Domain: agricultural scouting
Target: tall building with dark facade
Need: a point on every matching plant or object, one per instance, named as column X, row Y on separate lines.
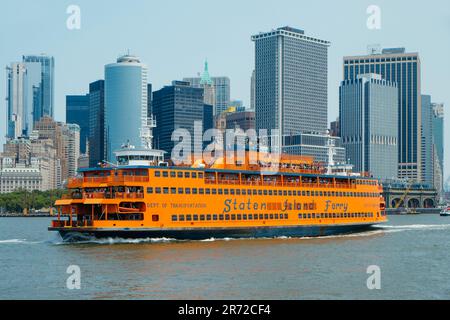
column 291, row 85
column 368, row 124
column 427, row 148
column 77, row 111
column 404, row 69
column 176, row 106
column 97, row 143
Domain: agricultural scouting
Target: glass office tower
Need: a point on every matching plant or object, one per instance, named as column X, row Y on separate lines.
column 126, row 104
column 77, row 111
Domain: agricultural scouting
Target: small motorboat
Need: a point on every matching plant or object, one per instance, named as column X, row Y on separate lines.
column 445, row 212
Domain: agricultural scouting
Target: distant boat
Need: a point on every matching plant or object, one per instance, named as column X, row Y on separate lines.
column 445, row 212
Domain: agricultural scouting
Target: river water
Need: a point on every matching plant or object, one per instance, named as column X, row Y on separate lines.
column 412, row 253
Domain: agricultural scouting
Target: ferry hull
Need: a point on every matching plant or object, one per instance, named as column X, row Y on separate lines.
column 76, row 234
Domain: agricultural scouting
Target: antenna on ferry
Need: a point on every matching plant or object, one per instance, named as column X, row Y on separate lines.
column 331, row 146
column 147, row 132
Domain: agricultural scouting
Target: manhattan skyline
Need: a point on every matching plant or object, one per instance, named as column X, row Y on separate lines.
column 152, row 31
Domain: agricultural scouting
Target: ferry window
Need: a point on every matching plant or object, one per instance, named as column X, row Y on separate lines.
column 195, row 217
column 321, row 194
column 188, row 191
column 165, row 174
column 220, row 191
column 194, row 191
column 220, row 216
column 180, row 190
column 313, row 216
column 239, row 217
column 233, row 217
column 231, row 191
column 194, row 175
column 225, row 191
column 173, row 174
column 200, row 175
column 188, row 217
column 261, row 217
column 215, row 217
column 271, row 216
column 265, row 192
column 290, row 193
column 303, row 193
column 180, row 174
column 270, row 192
column 284, row 193
column 238, row 192
column 244, row 217
column 213, row 191
column 201, row 191
column 155, row 218
column 173, row 190
column 250, row 217
column 286, row 216
column 244, row 192
column 208, row 191
column 255, row 217
column 249, row 192
column 166, row 190
column 157, row 173
column 187, row 174
column 266, row 216
column 181, row 217
column 174, row 218
column 158, row 190
column 202, row 217
column 208, row 217
column 149, row 190
column 255, row 192
column 260, row 192
column 227, row 217
column 308, row 193
column 309, row 215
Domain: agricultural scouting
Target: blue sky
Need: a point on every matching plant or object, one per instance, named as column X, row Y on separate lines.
column 174, row 37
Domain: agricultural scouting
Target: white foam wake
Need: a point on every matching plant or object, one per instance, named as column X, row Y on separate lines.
column 11, row 241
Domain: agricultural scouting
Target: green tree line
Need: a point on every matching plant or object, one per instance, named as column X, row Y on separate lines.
column 20, row 200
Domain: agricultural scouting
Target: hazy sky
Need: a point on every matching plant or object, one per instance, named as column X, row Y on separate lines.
column 174, row 37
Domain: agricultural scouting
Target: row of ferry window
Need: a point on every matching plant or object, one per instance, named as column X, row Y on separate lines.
column 186, row 174
column 259, row 192
column 229, row 217
column 179, row 174
column 266, row 216
column 335, row 215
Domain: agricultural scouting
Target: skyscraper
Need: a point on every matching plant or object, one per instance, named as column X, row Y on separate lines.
column 395, row 65
column 77, row 111
column 368, row 124
column 41, row 73
column 216, row 89
column 97, row 151
column 16, row 101
column 252, row 90
column 426, row 135
column 126, row 103
column 291, row 81
column 438, row 147
column 177, row 106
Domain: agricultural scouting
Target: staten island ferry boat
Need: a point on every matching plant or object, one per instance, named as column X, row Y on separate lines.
column 141, row 196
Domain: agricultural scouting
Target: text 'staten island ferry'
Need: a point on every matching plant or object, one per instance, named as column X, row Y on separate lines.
column 143, row 197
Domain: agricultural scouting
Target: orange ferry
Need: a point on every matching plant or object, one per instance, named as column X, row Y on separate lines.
column 143, row 197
